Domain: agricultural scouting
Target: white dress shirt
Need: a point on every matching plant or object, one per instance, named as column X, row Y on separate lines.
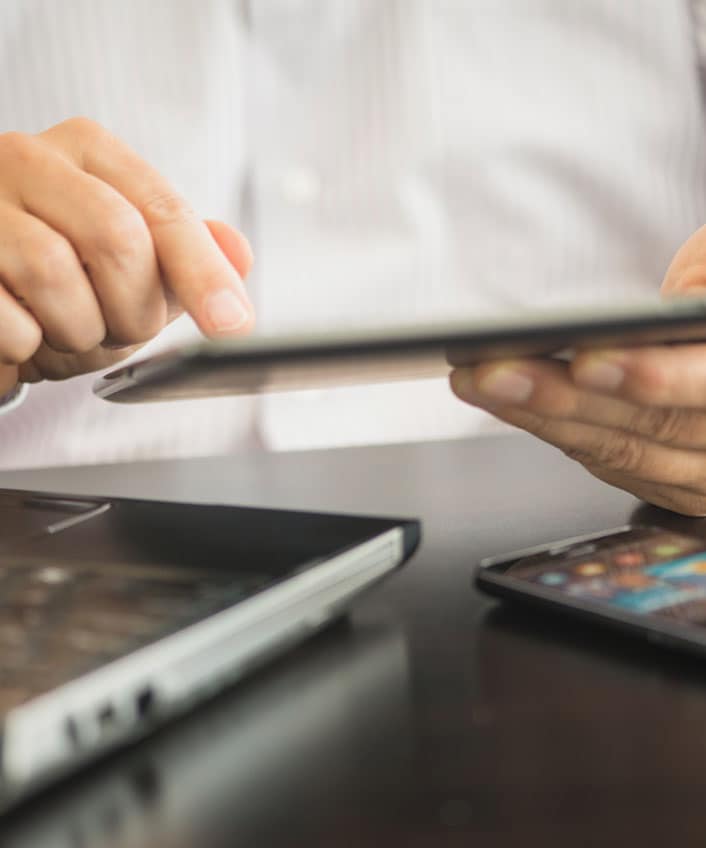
column 391, row 160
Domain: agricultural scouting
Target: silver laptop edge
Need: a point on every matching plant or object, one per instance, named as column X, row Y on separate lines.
column 123, row 699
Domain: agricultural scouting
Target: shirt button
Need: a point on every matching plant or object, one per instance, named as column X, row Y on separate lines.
column 301, row 186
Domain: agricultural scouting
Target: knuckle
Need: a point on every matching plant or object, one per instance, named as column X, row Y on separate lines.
column 23, row 344
column 84, row 338
column 166, row 208
column 46, row 259
column 140, row 325
column 584, row 457
column 144, row 331
column 122, row 237
column 84, row 127
column 619, row 452
column 540, row 427
column 18, row 146
column 662, row 424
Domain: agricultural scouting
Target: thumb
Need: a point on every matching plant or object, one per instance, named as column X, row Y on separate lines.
column 686, row 274
column 234, row 246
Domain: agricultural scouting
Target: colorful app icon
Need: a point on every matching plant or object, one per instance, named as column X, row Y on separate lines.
column 667, row 549
column 553, row 578
column 633, row 580
column 629, row 559
column 590, row 569
column 595, row 587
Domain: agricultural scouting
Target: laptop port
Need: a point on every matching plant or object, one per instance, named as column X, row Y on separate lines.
column 106, row 719
column 145, row 703
column 72, row 733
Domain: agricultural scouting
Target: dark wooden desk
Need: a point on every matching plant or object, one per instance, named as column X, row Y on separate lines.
column 433, row 717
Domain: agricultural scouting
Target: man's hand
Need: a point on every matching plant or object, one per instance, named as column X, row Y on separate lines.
column 98, row 253
column 635, row 418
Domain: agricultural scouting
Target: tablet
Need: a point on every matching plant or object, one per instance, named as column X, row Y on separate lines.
column 263, row 363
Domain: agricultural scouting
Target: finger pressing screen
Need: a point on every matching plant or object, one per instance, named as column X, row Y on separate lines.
column 234, row 245
column 206, row 284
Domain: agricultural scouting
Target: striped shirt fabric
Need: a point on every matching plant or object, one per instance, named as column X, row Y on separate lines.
column 390, row 159
column 698, row 12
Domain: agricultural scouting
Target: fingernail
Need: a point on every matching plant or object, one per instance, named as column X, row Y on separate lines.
column 226, row 311
column 600, row 374
column 506, row 386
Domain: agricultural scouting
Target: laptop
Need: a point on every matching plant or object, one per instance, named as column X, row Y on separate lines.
column 117, row 615
column 244, row 763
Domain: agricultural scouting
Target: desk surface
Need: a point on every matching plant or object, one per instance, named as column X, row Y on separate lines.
column 431, row 717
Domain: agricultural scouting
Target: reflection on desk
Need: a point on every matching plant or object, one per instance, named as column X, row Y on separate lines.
column 264, row 740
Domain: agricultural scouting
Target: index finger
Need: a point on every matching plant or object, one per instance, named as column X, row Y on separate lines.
column 199, row 274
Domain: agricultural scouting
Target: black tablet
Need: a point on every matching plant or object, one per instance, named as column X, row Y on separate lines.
column 264, row 363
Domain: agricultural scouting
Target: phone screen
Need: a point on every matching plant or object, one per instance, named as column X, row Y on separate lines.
column 645, row 571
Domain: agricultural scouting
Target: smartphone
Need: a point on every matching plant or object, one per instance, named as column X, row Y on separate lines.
column 332, row 358
column 645, row 580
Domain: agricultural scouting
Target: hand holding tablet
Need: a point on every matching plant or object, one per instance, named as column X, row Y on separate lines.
column 99, row 252
column 628, row 404
column 634, row 418
column 331, row 359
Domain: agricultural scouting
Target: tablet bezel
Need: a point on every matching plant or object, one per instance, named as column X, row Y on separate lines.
column 268, row 363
